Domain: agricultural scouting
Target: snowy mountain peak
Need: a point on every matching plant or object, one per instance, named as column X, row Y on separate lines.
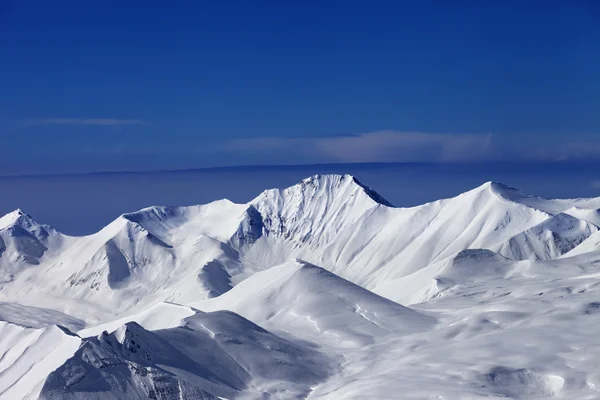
column 325, row 187
column 16, row 217
column 501, row 191
column 496, row 194
column 335, row 182
column 373, row 194
column 549, row 206
column 508, row 192
column 11, row 217
column 23, row 243
column 21, row 221
column 133, row 229
column 316, row 208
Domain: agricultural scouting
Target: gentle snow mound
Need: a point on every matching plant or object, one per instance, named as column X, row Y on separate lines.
column 308, row 300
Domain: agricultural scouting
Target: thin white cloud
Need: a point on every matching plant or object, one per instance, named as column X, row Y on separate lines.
column 566, row 151
column 382, row 146
column 87, row 121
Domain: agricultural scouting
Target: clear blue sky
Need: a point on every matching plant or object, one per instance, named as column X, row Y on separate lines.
column 97, row 85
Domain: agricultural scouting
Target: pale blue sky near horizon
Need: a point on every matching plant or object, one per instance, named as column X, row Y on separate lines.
column 98, row 86
column 83, row 204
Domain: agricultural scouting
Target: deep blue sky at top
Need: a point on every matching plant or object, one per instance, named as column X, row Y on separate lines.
column 96, row 85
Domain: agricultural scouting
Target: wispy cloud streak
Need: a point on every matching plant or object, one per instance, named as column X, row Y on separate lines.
column 382, row 146
column 86, row 122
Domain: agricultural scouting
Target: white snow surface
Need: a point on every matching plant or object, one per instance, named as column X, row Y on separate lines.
column 322, row 290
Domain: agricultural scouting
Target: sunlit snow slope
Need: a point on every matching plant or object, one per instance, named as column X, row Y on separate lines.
column 320, row 290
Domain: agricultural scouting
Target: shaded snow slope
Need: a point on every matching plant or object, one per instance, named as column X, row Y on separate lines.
column 35, row 317
column 548, row 240
column 25, row 243
column 591, row 244
column 211, row 354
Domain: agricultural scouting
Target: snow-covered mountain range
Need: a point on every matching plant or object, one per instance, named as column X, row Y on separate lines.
column 319, row 290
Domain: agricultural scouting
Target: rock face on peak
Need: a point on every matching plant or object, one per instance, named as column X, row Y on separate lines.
column 250, row 228
column 373, row 194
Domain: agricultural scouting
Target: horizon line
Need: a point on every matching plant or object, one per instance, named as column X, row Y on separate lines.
column 285, row 166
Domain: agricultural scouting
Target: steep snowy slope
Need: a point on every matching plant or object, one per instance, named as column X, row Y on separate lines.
column 42, row 233
column 370, row 243
column 29, row 355
column 33, row 343
column 309, row 301
column 150, row 244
